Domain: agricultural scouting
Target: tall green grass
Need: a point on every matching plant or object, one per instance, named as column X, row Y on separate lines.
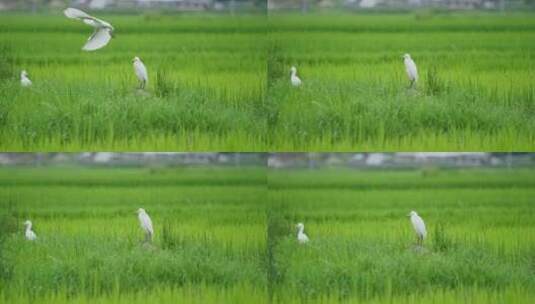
column 222, row 83
column 209, row 244
column 227, row 235
column 475, row 90
column 206, row 83
column 480, row 245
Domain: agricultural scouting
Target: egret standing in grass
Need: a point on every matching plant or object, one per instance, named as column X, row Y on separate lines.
column 419, row 226
column 410, row 67
column 29, row 234
column 146, row 224
column 293, row 78
column 302, row 238
column 24, row 80
column 141, row 72
column 103, row 30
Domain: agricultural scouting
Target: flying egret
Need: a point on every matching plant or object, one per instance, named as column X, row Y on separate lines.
column 302, row 238
column 24, row 80
column 141, row 72
column 29, row 234
column 103, row 30
column 146, row 224
column 294, row 79
column 418, row 225
column 410, row 67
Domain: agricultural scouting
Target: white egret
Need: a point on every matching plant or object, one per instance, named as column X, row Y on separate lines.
column 410, row 67
column 29, row 234
column 103, row 30
column 293, row 78
column 302, row 238
column 141, row 72
column 24, row 80
column 146, row 224
column 418, row 225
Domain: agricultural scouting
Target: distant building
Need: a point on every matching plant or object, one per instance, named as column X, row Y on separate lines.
column 393, row 4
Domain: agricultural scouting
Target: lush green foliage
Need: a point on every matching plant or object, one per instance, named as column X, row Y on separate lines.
column 221, row 83
column 206, row 84
column 475, row 90
column 480, row 246
column 209, row 242
column 227, row 235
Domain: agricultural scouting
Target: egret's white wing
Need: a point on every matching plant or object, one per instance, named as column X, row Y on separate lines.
column 99, row 39
column 30, row 235
column 419, row 225
column 147, row 223
column 296, row 81
column 26, row 82
column 74, row 13
column 412, row 71
column 141, row 71
column 302, row 238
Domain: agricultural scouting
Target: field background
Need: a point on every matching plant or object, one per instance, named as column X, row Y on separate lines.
column 209, row 242
column 476, row 89
column 221, row 83
column 227, row 234
column 207, row 77
column 480, row 246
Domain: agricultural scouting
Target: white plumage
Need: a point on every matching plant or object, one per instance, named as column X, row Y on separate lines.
column 410, row 67
column 24, row 80
column 103, row 30
column 141, row 72
column 419, row 226
column 29, row 234
column 302, row 238
column 146, row 224
column 296, row 81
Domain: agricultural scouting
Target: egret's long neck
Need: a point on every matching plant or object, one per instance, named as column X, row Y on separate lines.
column 301, row 229
column 28, row 227
column 294, row 73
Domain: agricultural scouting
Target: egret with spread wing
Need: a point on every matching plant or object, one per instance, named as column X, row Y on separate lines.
column 103, row 30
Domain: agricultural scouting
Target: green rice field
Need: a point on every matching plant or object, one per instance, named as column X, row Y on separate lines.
column 221, row 83
column 480, row 246
column 209, row 244
column 227, row 235
column 475, row 91
column 205, row 92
